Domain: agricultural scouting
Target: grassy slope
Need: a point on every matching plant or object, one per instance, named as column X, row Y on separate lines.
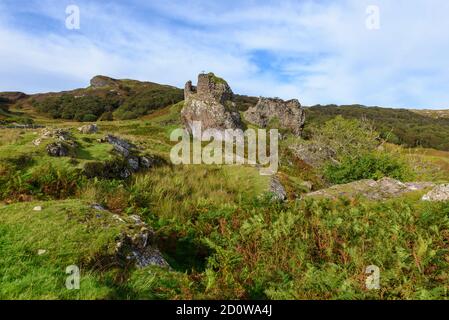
column 71, row 235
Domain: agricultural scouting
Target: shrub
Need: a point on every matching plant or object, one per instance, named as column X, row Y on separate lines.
column 89, row 117
column 367, row 166
column 347, row 137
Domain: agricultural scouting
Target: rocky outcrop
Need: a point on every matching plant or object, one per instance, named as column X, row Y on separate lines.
column 58, row 134
column 62, row 147
column 277, row 189
column 88, row 129
column 122, row 146
column 57, row 149
column 137, row 244
column 102, row 81
column 211, row 103
column 439, row 193
column 314, row 154
column 278, row 114
column 382, row 189
column 128, row 159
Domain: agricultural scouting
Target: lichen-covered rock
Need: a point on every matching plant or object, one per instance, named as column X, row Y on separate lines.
column 88, row 129
column 57, row 149
column 138, row 245
column 123, row 147
column 314, row 154
column 133, row 163
column 382, row 189
column 210, row 103
column 102, row 81
column 277, row 189
column 277, row 112
column 439, row 193
column 149, row 161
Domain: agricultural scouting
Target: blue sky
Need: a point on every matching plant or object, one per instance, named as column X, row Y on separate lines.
column 316, row 51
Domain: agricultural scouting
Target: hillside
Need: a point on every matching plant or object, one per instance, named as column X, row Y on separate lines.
column 399, row 126
column 437, row 114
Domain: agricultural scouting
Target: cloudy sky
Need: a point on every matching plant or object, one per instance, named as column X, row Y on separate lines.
column 317, row 51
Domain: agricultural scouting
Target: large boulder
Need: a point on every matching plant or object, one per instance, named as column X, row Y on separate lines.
column 277, row 112
column 211, row 103
column 439, row 193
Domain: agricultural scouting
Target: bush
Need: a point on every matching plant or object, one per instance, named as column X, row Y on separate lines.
column 89, row 117
column 367, row 166
column 347, row 137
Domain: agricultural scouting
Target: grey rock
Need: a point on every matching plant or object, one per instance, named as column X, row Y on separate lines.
column 146, row 162
column 140, row 248
column 102, row 81
column 210, row 103
column 289, row 114
column 277, row 189
column 125, row 173
column 439, row 193
column 122, row 146
column 97, row 206
column 88, row 129
column 133, row 163
column 57, row 149
column 314, row 154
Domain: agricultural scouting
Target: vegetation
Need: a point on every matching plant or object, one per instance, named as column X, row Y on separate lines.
column 79, row 108
column 397, row 126
column 120, row 99
column 148, row 100
column 374, row 165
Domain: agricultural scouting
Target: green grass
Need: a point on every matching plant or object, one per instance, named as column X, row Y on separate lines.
column 71, row 235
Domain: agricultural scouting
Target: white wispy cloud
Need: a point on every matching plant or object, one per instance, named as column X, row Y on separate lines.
column 316, row 51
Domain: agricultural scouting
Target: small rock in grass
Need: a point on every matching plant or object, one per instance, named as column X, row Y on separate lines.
column 37, row 208
column 97, row 206
column 41, row 252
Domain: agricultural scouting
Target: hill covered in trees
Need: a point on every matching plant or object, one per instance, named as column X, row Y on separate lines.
column 399, row 126
column 107, row 99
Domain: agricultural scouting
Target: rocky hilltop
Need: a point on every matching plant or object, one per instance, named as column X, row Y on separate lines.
column 285, row 114
column 211, row 103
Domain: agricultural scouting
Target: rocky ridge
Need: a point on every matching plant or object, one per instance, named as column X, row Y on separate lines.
column 277, row 112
